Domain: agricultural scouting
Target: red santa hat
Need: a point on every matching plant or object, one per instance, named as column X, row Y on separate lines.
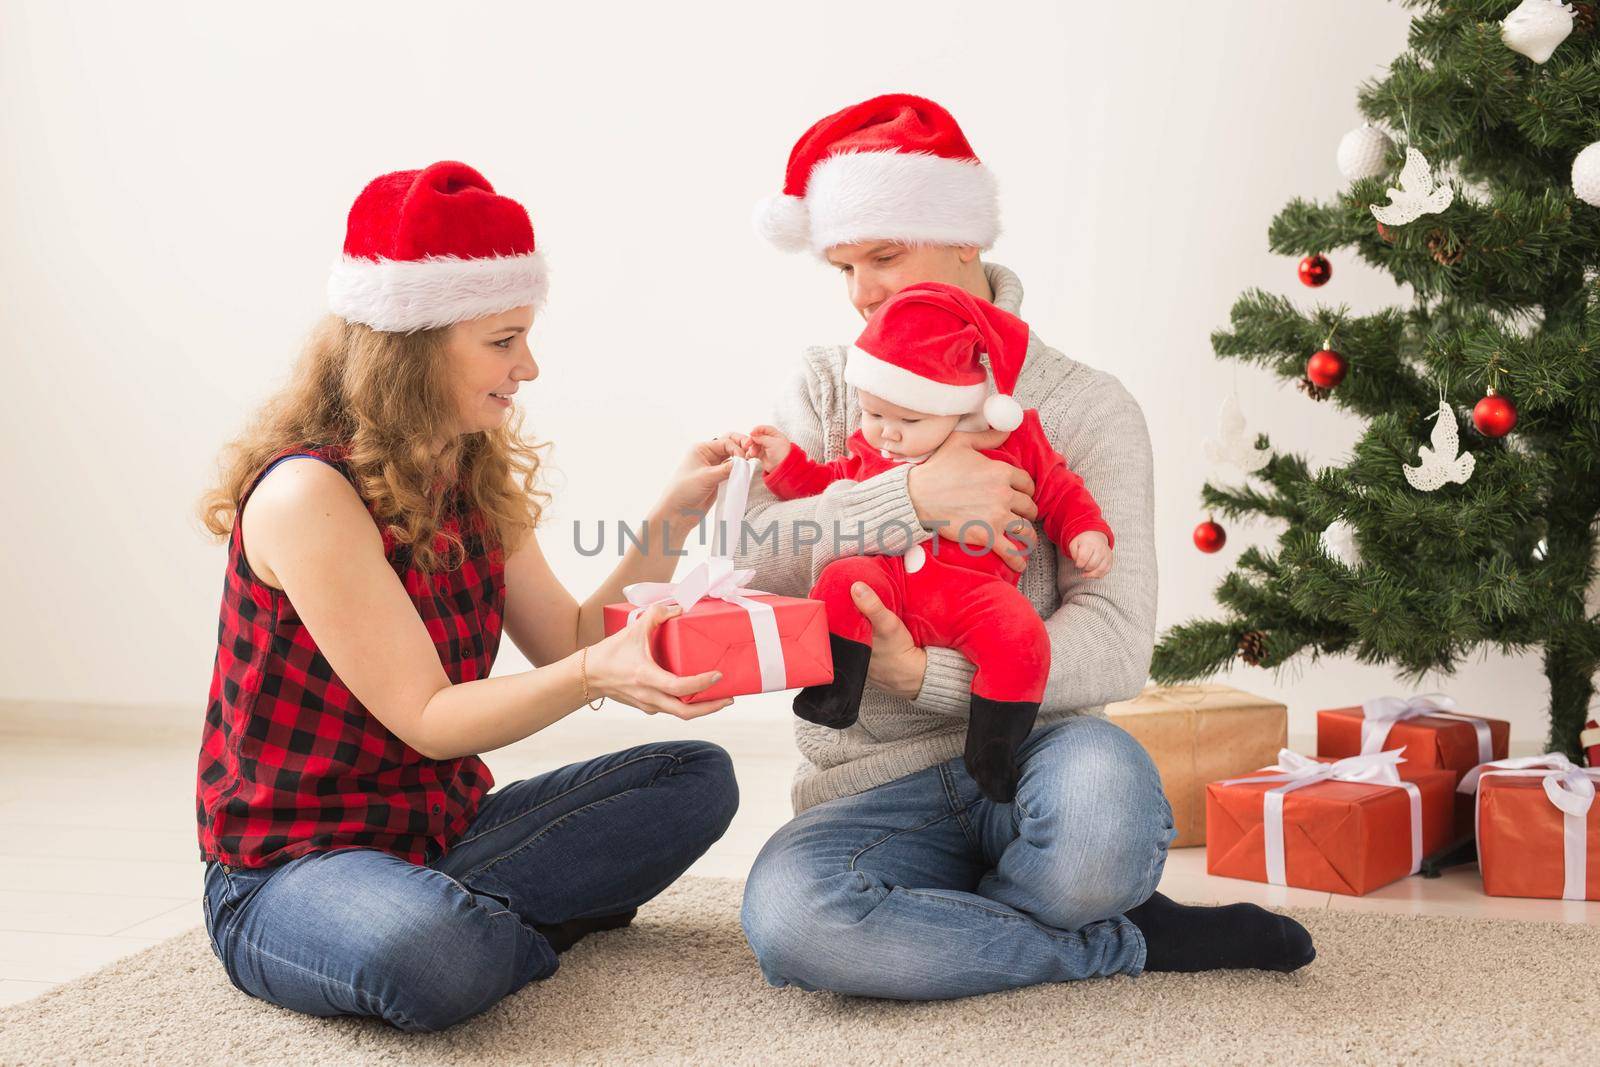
column 894, row 167
column 926, row 347
column 428, row 248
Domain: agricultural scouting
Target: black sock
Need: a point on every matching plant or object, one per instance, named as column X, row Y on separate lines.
column 996, row 730
column 563, row 935
column 837, row 704
column 1180, row 937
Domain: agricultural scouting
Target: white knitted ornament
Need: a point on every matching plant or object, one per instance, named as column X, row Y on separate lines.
column 1364, row 152
column 1418, row 193
column 1339, row 541
column 1586, row 175
column 1536, row 27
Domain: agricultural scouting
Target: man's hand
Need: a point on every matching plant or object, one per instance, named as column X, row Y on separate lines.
column 897, row 664
column 956, row 487
column 1092, row 553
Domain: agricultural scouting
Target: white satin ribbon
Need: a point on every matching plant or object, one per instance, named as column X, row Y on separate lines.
column 718, row 579
column 1381, row 713
column 1297, row 771
column 1570, row 788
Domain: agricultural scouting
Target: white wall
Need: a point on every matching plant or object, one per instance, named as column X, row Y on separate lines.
column 175, row 179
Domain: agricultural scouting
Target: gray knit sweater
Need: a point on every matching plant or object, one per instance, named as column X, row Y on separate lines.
column 1101, row 631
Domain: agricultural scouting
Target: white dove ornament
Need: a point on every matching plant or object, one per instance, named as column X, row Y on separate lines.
column 1234, row 445
column 1417, row 194
column 1444, row 462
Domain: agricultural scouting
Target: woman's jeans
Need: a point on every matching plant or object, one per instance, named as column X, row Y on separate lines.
column 923, row 889
column 362, row 932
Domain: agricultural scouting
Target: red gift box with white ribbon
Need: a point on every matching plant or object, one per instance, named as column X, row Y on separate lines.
column 760, row 642
column 1430, row 730
column 1538, row 827
column 1345, row 826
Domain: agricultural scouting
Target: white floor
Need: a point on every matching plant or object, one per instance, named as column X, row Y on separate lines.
column 98, row 856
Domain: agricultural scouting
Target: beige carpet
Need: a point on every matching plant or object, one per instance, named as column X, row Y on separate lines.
column 681, row 985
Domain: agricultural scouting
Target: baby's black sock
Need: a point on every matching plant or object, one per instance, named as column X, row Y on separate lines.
column 1181, row 937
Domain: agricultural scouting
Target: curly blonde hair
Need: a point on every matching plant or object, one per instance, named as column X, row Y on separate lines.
column 380, row 399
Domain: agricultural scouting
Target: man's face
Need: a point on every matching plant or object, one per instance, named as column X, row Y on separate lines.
column 876, row 270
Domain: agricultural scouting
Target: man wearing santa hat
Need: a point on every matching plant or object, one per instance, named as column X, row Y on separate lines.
column 897, row 877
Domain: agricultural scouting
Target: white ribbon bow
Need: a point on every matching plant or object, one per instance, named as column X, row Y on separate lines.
column 1381, row 713
column 717, row 579
column 1570, row 788
column 1296, row 771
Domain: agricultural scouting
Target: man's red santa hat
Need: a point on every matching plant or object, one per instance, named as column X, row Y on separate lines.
column 926, row 348
column 891, row 168
column 428, row 248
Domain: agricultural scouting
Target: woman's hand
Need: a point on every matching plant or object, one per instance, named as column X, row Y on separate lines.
column 621, row 667
column 769, row 443
column 693, row 486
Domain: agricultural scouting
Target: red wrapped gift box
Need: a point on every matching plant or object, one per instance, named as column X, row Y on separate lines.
column 1538, row 828
column 1348, row 834
column 1426, row 733
column 719, row 635
column 1424, row 729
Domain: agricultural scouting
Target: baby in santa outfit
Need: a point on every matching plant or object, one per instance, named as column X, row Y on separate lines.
column 919, row 373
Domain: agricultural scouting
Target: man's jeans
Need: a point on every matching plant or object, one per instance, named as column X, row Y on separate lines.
column 923, row 889
column 362, row 932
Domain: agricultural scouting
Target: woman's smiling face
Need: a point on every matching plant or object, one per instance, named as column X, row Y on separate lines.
column 488, row 358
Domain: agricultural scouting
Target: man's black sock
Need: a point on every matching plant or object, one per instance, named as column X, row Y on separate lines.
column 1180, row 937
column 563, row 935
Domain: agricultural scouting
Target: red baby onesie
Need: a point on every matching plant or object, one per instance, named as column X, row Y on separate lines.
column 948, row 594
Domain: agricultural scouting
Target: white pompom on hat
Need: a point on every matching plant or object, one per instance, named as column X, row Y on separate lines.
column 895, row 167
column 938, row 349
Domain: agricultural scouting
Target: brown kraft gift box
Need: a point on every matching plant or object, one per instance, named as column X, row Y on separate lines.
column 1198, row 734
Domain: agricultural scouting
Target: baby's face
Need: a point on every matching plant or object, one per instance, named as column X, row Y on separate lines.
column 901, row 432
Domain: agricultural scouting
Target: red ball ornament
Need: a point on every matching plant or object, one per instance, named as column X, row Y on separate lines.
column 1494, row 416
column 1327, row 368
column 1385, row 233
column 1315, row 270
column 1209, row 536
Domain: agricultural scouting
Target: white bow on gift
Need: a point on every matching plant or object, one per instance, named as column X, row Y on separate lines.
column 1296, row 771
column 1570, row 788
column 1381, row 713
column 718, row 579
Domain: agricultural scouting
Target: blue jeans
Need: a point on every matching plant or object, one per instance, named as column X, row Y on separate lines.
column 362, row 932
column 922, row 889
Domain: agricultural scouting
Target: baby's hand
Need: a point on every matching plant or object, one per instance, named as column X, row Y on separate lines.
column 1091, row 551
column 769, row 443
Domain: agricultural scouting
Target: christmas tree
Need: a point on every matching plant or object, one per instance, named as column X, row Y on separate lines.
column 1464, row 518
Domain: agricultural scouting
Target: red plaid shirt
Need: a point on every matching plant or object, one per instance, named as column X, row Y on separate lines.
column 292, row 763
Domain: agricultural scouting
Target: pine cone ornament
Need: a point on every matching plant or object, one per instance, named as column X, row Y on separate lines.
column 1583, row 17
column 1313, row 390
column 1446, row 250
column 1253, row 647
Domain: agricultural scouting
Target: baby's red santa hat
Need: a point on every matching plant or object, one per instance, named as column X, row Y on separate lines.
column 432, row 247
column 926, row 348
column 895, row 168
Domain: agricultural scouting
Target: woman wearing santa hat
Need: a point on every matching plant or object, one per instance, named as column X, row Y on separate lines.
column 379, row 514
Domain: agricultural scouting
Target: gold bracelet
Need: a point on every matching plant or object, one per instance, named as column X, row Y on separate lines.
column 583, row 674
